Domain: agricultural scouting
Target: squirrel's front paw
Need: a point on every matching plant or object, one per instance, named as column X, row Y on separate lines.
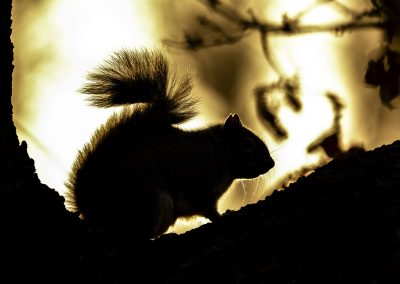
column 212, row 214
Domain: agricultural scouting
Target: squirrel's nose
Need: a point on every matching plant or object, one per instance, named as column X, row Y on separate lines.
column 269, row 164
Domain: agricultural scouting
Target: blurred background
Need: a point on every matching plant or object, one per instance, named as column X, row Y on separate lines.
column 301, row 86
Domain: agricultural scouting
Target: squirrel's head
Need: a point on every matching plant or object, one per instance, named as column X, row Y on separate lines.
column 249, row 156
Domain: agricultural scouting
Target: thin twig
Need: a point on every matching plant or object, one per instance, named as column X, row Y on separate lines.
column 290, row 26
column 267, row 27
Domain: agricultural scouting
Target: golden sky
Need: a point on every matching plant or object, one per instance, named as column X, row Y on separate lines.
column 58, row 41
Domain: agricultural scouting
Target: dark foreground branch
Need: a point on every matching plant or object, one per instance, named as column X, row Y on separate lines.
column 339, row 224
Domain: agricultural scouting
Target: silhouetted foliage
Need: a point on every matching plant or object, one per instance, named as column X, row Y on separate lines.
column 384, row 73
column 329, row 141
column 237, row 25
column 267, row 110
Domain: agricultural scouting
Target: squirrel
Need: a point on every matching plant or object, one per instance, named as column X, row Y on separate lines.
column 141, row 171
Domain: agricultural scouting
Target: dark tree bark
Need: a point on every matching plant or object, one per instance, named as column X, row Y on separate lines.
column 8, row 136
column 34, row 224
column 340, row 224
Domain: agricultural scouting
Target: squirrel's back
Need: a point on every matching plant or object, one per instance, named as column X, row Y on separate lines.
column 140, row 172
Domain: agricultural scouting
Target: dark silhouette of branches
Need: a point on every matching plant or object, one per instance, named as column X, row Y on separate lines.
column 329, row 141
column 384, row 73
column 241, row 25
column 290, row 89
column 226, row 25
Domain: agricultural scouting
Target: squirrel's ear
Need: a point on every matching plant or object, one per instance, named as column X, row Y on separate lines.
column 233, row 121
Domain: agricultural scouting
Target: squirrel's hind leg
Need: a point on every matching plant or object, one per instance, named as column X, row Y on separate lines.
column 164, row 215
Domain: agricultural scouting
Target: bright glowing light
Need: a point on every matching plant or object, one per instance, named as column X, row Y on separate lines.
column 71, row 37
column 183, row 225
column 57, row 45
column 319, row 14
column 315, row 59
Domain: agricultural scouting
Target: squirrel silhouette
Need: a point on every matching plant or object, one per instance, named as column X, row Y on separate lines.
column 140, row 171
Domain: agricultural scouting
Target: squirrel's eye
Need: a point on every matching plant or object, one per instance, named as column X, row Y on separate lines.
column 248, row 145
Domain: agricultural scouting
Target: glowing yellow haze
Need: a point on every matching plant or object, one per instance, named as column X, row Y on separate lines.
column 67, row 38
column 57, row 42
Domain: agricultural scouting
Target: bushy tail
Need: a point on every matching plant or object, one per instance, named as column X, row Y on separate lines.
column 140, row 76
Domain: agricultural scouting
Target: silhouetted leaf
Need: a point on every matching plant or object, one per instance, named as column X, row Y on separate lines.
column 375, row 73
column 267, row 114
column 193, row 41
column 291, row 88
column 385, row 74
